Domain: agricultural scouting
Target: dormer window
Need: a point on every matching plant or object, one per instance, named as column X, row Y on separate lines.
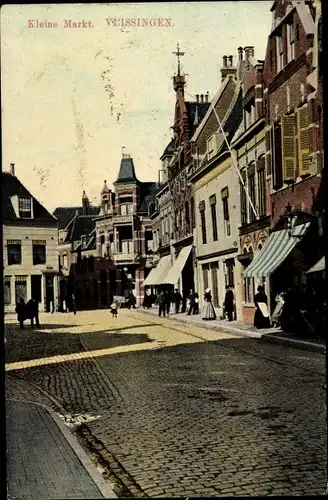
column 83, row 240
column 25, row 207
column 211, row 146
column 250, row 113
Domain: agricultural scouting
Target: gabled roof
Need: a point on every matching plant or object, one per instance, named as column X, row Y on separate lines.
column 147, row 194
column 66, row 214
column 210, row 108
column 79, row 226
column 11, row 186
column 127, row 172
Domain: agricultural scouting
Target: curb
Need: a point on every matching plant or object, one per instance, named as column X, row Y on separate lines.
column 297, row 344
column 90, row 468
column 265, row 337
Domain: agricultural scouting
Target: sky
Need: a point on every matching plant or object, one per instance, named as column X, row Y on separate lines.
column 72, row 97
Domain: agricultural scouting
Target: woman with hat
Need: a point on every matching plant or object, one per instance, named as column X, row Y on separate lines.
column 208, row 311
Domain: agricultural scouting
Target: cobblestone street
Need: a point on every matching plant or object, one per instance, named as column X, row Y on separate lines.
column 178, row 410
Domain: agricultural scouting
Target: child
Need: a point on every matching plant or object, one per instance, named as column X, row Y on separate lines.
column 113, row 309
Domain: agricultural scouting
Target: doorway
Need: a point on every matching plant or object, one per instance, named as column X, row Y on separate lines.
column 36, row 292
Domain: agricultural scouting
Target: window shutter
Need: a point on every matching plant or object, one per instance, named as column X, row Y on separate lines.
column 304, row 150
column 288, row 147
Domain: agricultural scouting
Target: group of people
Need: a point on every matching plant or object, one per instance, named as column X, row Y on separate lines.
column 190, row 304
column 29, row 310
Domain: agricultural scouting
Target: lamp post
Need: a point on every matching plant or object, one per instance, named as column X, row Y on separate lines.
column 290, row 220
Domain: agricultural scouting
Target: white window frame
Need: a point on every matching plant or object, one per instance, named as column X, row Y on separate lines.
column 280, row 52
column 291, row 43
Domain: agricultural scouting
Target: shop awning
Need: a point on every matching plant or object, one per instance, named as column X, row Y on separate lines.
column 156, row 275
column 318, row 267
column 276, row 249
column 175, row 272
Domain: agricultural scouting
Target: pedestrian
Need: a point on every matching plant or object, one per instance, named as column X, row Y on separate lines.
column 196, row 304
column 184, row 303
column 208, row 312
column 229, row 303
column 33, row 312
column 74, row 303
column 191, row 299
column 113, row 309
column 21, row 312
column 276, row 316
column 177, row 300
column 261, row 316
column 167, row 301
column 161, row 301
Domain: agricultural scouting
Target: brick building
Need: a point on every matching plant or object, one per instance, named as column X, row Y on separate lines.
column 294, row 153
column 124, row 232
column 249, row 146
column 174, row 214
column 30, row 258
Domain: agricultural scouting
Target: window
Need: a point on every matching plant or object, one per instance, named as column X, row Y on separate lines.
column 214, row 275
column 249, row 290
column 225, row 206
column 280, row 52
column 192, row 213
column 252, row 195
column 14, row 252
column 277, row 156
column 6, row 291
column 126, row 209
column 288, row 147
column 261, row 188
column 205, row 269
column 65, row 261
column 243, row 198
column 230, row 276
column 187, row 216
column 291, row 42
column 25, row 207
column 211, row 146
column 20, row 288
column 83, row 240
column 214, row 219
column 203, row 221
column 39, row 252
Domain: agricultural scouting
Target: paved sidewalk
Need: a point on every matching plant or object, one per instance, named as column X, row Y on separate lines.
column 238, row 328
column 44, row 460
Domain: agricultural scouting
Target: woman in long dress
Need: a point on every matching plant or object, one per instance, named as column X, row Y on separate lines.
column 261, row 317
column 208, row 311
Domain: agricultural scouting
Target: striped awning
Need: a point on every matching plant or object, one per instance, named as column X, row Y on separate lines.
column 276, row 249
column 174, row 273
column 156, row 275
column 319, row 267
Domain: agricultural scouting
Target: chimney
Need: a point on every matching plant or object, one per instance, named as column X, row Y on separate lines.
column 85, row 203
column 206, row 96
column 226, row 70
column 225, row 58
column 12, row 169
column 230, row 60
column 240, row 53
column 197, row 97
column 249, row 52
column 201, row 97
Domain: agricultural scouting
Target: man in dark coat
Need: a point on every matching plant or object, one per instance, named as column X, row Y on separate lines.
column 261, row 317
column 177, row 300
column 161, row 301
column 32, row 312
column 21, row 312
column 229, row 303
column 191, row 303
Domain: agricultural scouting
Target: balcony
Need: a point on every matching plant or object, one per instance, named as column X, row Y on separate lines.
column 124, row 251
column 123, row 219
column 124, row 257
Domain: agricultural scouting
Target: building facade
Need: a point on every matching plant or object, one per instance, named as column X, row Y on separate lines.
column 173, row 215
column 294, row 152
column 124, row 232
column 216, row 190
column 250, row 150
column 30, row 256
